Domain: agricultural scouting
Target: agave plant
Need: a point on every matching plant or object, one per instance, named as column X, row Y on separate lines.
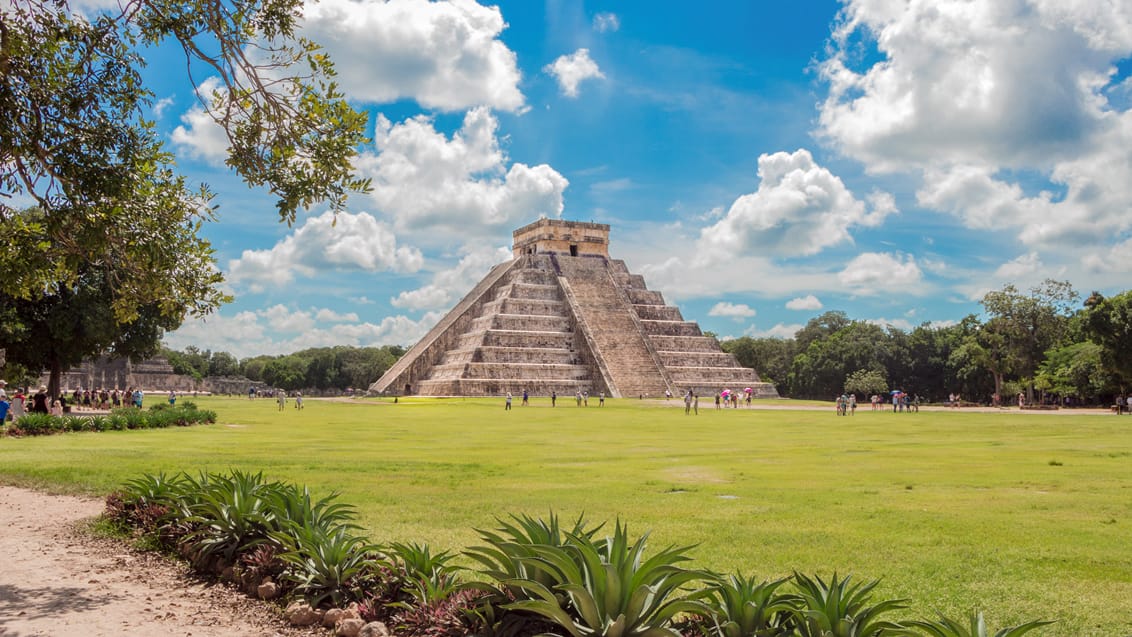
column 746, row 607
column 231, row 514
column 509, row 548
column 429, row 578
column 296, row 508
column 841, row 609
column 326, row 564
column 610, row 590
column 976, row 627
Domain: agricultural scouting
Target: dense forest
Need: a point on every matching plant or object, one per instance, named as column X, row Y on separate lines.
column 323, row 368
column 1043, row 342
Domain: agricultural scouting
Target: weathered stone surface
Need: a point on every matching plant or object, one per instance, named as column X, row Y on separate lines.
column 374, row 629
column 301, row 614
column 268, row 589
column 349, row 627
column 563, row 317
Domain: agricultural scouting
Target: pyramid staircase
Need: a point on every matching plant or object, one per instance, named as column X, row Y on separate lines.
column 546, row 323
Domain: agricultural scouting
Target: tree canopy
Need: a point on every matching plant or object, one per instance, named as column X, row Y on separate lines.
column 90, row 198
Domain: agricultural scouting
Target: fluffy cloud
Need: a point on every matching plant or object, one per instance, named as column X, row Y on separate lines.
column 1003, row 108
column 346, row 242
column 199, row 136
column 450, row 285
column 800, row 208
column 604, row 22
column 1116, row 259
column 1015, row 269
column 427, row 182
column 280, row 330
column 877, row 273
column 959, row 80
column 736, row 311
column 780, row 330
column 444, row 55
column 571, row 69
column 808, row 302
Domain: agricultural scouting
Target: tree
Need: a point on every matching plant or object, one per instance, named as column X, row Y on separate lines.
column 1108, row 323
column 61, row 328
column 770, row 357
column 866, row 382
column 111, row 214
column 1022, row 327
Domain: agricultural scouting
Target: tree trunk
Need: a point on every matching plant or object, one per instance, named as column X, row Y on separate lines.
column 53, row 380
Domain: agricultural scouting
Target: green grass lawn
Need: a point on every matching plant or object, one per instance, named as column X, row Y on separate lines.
column 1022, row 516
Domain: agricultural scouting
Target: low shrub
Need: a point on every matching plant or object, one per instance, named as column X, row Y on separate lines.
column 541, row 578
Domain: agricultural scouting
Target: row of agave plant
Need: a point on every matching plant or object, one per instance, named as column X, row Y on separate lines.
column 531, row 576
column 158, row 417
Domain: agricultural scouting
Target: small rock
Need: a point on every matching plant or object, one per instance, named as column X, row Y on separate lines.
column 374, row 629
column 267, row 590
column 332, row 617
column 351, row 627
column 301, row 614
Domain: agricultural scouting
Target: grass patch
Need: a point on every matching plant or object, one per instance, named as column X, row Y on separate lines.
column 991, row 523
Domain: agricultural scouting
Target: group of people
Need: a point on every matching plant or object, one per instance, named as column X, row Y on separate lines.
column 581, row 399
column 23, row 401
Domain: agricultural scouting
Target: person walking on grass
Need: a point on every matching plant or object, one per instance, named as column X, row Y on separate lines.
column 507, row 405
column 298, row 400
column 281, row 398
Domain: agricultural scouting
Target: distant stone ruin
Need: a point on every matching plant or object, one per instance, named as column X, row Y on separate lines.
column 562, row 316
column 119, row 373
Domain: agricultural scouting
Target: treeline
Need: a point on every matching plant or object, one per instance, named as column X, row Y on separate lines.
column 322, row 368
column 1042, row 342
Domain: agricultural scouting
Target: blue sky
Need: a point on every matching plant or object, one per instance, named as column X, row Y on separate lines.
column 760, row 163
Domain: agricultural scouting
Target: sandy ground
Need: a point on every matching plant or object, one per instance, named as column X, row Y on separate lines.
column 58, row 580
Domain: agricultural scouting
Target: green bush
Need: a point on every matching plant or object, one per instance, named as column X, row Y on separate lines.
column 36, row 425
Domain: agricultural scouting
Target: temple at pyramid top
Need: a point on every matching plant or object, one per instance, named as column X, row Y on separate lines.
column 567, row 238
column 563, row 317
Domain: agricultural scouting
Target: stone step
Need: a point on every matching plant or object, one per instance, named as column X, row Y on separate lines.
column 539, row 307
column 658, row 312
column 729, row 377
column 516, row 338
column 535, row 276
column 644, row 297
column 545, row 355
column 499, row 387
column 697, row 359
column 529, row 291
column 671, row 328
column 520, row 322
column 684, row 343
column 511, row 371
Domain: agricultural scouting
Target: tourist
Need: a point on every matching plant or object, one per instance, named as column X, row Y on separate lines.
column 3, row 390
column 56, row 408
column 4, row 405
column 601, row 399
column 852, row 404
column 553, row 397
column 578, row 398
column 172, row 398
column 298, row 400
column 586, row 398
column 39, row 401
column 696, row 403
column 281, row 398
column 717, row 400
column 526, row 398
column 667, row 395
column 688, row 403
column 251, row 393
column 1021, row 400
column 138, row 398
column 18, row 404
column 507, row 405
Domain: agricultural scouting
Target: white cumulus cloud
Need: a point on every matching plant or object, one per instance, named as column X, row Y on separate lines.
column 347, row 241
column 873, row 273
column 427, row 182
column 808, row 302
column 445, row 55
column 736, row 311
column 800, row 208
column 570, row 70
column 198, row 135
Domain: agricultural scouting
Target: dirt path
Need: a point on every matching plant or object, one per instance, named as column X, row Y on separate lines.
column 57, row 580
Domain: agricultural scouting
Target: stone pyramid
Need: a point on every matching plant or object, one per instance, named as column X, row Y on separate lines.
column 563, row 316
